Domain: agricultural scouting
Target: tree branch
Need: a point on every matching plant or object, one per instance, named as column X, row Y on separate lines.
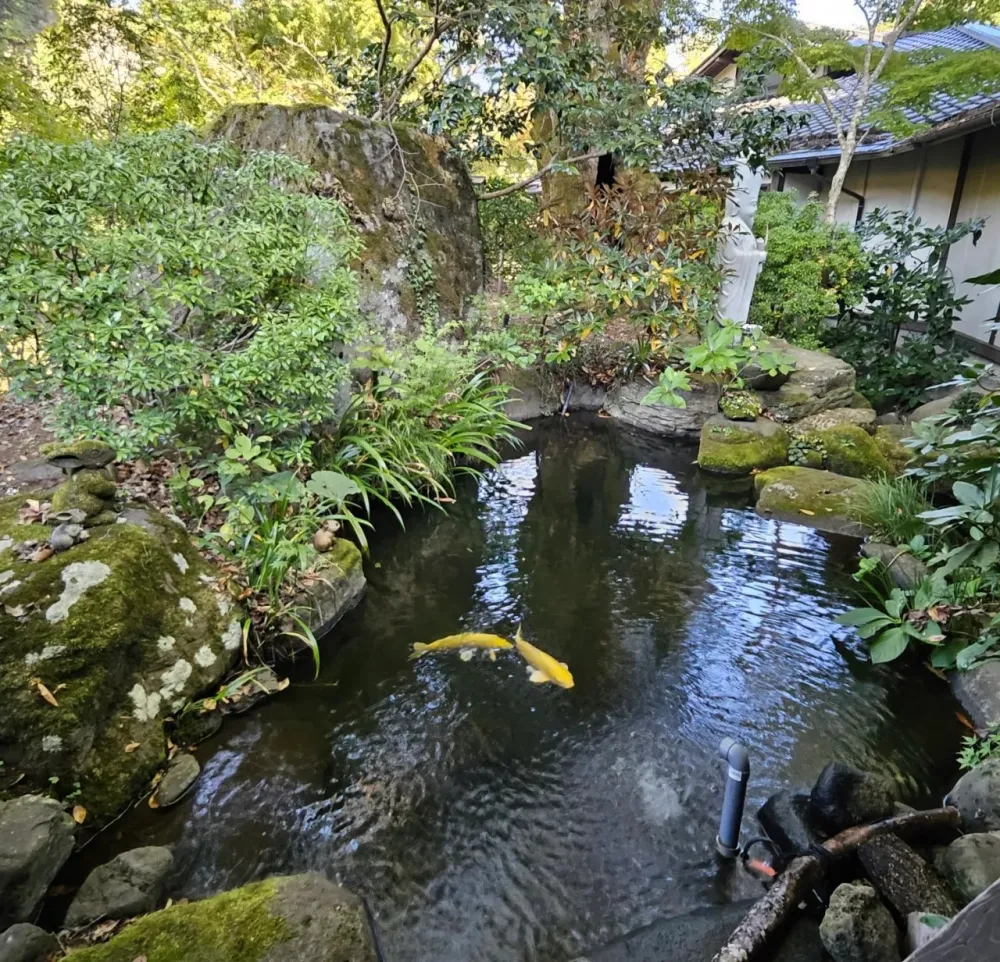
column 521, row 184
column 835, row 114
column 385, row 113
column 383, row 54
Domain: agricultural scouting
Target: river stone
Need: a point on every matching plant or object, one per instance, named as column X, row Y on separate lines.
column 129, row 621
column 970, row 864
column 859, row 417
column 844, row 796
column 938, row 406
column 978, row 689
column 372, row 167
column 808, row 496
column 36, row 838
column 336, row 589
column 738, row 448
column 297, row 917
column 177, row 779
column 906, row 569
column 788, row 821
column 903, row 878
column 130, row 884
column 977, row 797
column 27, row 943
column 624, row 403
column 857, row 927
column 819, row 382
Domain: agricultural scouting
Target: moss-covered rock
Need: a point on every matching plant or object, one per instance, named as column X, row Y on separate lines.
column 851, row 451
column 860, row 417
column 819, row 499
column 740, row 405
column 738, row 448
column 860, row 401
column 819, row 382
column 889, row 441
column 122, row 629
column 90, row 491
column 90, row 454
column 338, row 587
column 372, row 168
column 302, row 917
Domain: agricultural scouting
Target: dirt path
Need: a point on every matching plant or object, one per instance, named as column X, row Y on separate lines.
column 22, row 431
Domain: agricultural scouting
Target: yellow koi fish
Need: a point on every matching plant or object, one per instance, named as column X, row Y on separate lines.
column 542, row 668
column 471, row 639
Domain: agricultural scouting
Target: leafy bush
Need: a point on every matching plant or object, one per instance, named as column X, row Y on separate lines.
column 892, row 508
column 812, row 272
column 154, row 283
column 903, row 283
column 977, row 748
column 509, row 236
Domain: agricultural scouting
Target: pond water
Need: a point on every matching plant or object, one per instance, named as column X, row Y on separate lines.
column 489, row 819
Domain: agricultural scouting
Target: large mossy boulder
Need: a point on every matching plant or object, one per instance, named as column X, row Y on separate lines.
column 121, row 630
column 819, row 499
column 819, row 382
column 738, row 448
column 852, row 451
column 700, row 404
column 373, row 168
column 861, row 417
column 889, row 440
column 300, row 917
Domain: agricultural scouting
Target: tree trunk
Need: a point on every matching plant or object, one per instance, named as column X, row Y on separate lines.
column 839, row 176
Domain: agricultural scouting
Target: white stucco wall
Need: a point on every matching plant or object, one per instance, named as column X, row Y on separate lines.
column 923, row 180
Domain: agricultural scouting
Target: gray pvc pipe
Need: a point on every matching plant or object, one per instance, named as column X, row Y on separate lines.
column 737, row 759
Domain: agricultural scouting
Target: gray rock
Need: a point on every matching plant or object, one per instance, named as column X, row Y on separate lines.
column 27, row 943
column 64, row 536
column 338, row 587
column 36, row 838
column 178, row 778
column 860, row 417
column 977, row 797
column 819, row 382
column 906, row 570
column 702, row 402
column 787, row 819
column 970, row 864
column 938, row 406
column 978, row 689
column 857, row 927
column 130, row 884
column 889, row 418
column 844, row 796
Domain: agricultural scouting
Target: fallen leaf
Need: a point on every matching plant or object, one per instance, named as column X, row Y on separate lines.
column 15, row 611
column 209, row 704
column 493, row 656
column 142, row 958
column 965, row 721
column 45, row 693
column 131, row 747
column 79, row 814
column 58, row 689
column 466, row 654
column 806, row 511
column 42, row 554
column 283, row 684
column 153, row 803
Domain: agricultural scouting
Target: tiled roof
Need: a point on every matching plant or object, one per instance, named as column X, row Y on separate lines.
column 818, row 139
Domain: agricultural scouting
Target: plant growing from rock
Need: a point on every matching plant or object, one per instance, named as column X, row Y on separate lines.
column 893, row 508
column 740, row 405
column 807, row 451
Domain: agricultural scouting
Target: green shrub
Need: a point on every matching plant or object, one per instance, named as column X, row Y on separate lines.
column 812, row 269
column 510, row 236
column 154, row 283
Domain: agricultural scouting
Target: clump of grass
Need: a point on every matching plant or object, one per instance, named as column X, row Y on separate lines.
column 891, row 508
column 978, row 748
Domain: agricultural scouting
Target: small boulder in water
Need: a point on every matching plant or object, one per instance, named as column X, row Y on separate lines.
column 857, row 927
column 787, row 819
column 844, row 796
column 177, row 779
column 977, row 796
column 970, row 865
column 130, row 884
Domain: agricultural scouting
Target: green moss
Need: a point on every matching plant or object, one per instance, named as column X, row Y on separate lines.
column 344, row 555
column 888, row 439
column 235, row 926
column 94, row 454
column 738, row 448
column 87, row 490
column 809, row 496
column 860, row 401
column 851, row 451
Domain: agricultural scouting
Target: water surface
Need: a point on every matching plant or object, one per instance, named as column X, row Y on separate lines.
column 488, row 819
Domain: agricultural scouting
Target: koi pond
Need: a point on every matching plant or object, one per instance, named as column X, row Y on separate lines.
column 488, row 819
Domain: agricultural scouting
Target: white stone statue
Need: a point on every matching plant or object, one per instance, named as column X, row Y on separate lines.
column 741, row 255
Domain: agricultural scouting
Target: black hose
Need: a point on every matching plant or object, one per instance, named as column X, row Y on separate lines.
column 373, row 928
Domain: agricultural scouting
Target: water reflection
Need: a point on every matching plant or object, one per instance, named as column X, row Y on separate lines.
column 488, row 819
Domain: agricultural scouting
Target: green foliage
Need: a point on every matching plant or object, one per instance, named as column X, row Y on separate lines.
column 510, row 238
column 812, row 272
column 726, row 353
column 807, row 451
column 978, row 748
column 893, row 509
column 155, row 282
column 666, row 389
column 973, row 521
column 903, row 282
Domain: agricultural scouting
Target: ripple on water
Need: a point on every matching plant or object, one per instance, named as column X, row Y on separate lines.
column 489, row 819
